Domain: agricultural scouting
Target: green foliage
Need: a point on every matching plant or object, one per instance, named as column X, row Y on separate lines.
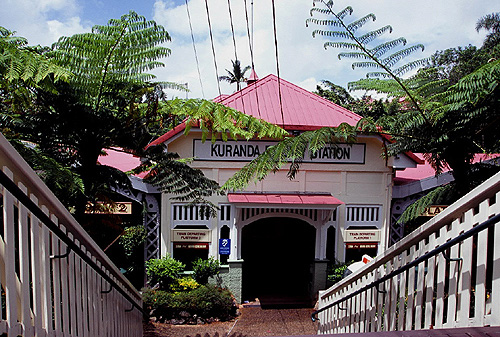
column 64, row 183
column 204, row 269
column 490, row 22
column 184, row 284
column 19, row 62
column 290, row 149
column 334, row 93
column 219, row 121
column 132, row 239
column 206, row 302
column 164, row 271
column 372, row 57
column 121, row 51
column 336, row 271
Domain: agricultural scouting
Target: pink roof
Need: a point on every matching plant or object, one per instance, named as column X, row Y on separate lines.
column 299, row 109
column 120, row 160
column 302, row 110
column 425, row 170
column 283, row 199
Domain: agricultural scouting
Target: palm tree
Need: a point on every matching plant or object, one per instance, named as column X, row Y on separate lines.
column 237, row 75
column 490, row 22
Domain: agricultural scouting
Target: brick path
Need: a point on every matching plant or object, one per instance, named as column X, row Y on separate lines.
column 253, row 321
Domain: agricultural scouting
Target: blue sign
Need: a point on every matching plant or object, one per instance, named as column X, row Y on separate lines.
column 224, row 246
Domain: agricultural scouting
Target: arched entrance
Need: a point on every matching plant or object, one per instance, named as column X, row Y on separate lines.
column 277, row 254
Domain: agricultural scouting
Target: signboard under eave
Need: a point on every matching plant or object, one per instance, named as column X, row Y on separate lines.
column 249, row 150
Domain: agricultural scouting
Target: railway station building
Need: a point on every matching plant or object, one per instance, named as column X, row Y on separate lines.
column 275, row 238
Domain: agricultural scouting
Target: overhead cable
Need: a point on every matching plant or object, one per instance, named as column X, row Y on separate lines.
column 277, row 64
column 194, row 47
column 213, row 47
column 250, row 45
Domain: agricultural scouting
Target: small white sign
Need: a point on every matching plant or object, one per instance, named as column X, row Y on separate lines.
column 362, row 235
column 191, row 235
column 249, row 150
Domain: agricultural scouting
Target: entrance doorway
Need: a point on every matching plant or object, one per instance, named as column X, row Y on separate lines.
column 278, row 254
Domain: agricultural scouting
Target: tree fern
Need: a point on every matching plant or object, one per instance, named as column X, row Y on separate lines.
column 19, row 62
column 364, row 50
column 122, row 51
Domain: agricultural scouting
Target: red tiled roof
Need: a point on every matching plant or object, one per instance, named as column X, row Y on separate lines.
column 121, row 161
column 425, row 170
column 302, row 110
column 283, row 199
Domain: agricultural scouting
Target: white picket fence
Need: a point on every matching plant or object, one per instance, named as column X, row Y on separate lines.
column 55, row 281
column 446, row 274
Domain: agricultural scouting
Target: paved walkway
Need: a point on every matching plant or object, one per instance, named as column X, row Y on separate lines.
column 253, row 321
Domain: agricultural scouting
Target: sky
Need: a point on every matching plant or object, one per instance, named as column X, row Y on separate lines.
column 302, row 59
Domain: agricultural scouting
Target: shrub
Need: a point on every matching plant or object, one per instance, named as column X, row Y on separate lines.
column 206, row 302
column 163, row 272
column 204, row 269
column 336, row 271
column 132, row 239
column 184, row 284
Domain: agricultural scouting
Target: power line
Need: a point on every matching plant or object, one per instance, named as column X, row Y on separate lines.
column 235, row 49
column 232, row 28
column 194, row 47
column 250, row 45
column 213, row 48
column 277, row 64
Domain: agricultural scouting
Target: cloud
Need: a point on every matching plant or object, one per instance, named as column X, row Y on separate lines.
column 42, row 21
column 302, row 59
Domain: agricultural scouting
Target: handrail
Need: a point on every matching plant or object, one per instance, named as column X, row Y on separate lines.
column 11, row 158
column 8, row 184
column 491, row 221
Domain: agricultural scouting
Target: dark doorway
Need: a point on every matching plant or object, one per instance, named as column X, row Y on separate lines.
column 278, row 254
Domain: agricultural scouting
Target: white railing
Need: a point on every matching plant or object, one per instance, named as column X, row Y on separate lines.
column 55, row 281
column 446, row 274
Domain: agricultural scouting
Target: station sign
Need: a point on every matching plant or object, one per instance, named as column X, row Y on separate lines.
column 224, row 246
column 249, row 150
column 191, row 235
column 362, row 235
column 122, row 207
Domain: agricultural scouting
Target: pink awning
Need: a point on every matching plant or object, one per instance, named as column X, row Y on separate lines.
column 283, row 199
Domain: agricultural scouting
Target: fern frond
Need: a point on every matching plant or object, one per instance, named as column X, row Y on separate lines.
column 360, row 22
column 344, row 45
column 354, row 55
column 370, row 36
column 217, row 120
column 434, row 197
column 330, row 33
column 381, row 49
column 290, row 150
column 366, row 65
column 124, row 50
column 343, row 13
column 410, row 66
column 334, row 23
column 391, row 60
column 377, row 74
